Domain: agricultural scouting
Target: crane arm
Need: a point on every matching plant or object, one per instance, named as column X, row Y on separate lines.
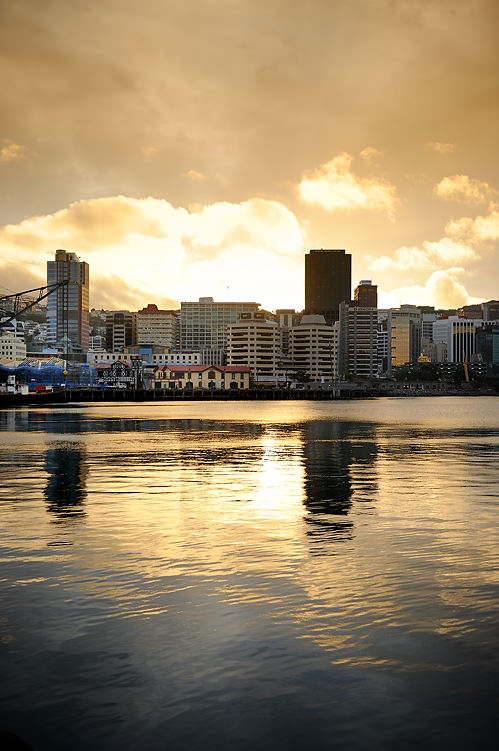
column 21, row 305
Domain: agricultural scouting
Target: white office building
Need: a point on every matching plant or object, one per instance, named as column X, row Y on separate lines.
column 203, row 324
column 459, row 334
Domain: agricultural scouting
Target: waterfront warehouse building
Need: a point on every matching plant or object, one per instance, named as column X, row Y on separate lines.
column 201, row 376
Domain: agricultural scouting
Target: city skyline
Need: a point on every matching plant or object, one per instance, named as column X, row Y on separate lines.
column 185, row 152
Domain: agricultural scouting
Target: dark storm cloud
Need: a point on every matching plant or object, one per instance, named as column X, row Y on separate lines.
column 248, row 92
column 137, row 99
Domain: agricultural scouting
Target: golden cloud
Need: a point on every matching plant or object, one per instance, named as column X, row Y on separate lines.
column 156, row 252
column 333, row 187
column 442, row 289
column 430, row 254
column 11, row 151
column 441, row 148
column 465, row 189
column 193, row 174
column 369, row 154
column 479, row 229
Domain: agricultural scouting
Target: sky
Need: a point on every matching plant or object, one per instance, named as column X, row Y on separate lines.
column 189, row 148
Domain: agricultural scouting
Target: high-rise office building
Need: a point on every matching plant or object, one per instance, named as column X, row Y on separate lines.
column 204, row 323
column 358, row 353
column 487, row 343
column 67, row 306
column 404, row 335
column 121, row 330
column 490, row 310
column 328, row 282
column 459, row 334
column 366, row 294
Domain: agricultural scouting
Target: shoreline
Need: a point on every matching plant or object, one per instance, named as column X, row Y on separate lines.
column 358, row 391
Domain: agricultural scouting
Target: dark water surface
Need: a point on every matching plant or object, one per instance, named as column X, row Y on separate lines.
column 250, row 576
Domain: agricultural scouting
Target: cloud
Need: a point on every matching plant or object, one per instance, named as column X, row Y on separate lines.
column 17, row 277
column 465, row 189
column 441, row 148
column 153, row 251
column 477, row 230
column 11, row 151
column 112, row 293
column 430, row 254
column 333, row 186
column 370, row 154
column 442, row 289
column 193, row 174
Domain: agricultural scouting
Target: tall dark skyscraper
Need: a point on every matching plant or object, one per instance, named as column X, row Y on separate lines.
column 366, row 294
column 328, row 282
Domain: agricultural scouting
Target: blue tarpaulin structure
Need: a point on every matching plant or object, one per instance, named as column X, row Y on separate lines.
column 48, row 374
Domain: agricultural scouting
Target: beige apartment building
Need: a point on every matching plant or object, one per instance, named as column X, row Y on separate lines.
column 255, row 342
column 156, row 326
column 313, row 348
column 12, row 349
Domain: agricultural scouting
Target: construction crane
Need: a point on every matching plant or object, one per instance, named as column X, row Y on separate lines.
column 20, row 304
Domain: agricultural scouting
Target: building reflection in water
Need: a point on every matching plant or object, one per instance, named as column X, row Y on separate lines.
column 65, row 492
column 332, row 454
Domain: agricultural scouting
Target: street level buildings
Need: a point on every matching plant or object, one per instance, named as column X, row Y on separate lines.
column 328, row 282
column 67, row 306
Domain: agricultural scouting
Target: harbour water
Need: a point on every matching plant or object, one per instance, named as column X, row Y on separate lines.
column 250, row 575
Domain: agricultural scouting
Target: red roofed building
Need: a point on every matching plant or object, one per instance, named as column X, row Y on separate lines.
column 201, row 376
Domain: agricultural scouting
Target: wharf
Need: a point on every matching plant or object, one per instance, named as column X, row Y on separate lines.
column 340, row 392
column 71, row 396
